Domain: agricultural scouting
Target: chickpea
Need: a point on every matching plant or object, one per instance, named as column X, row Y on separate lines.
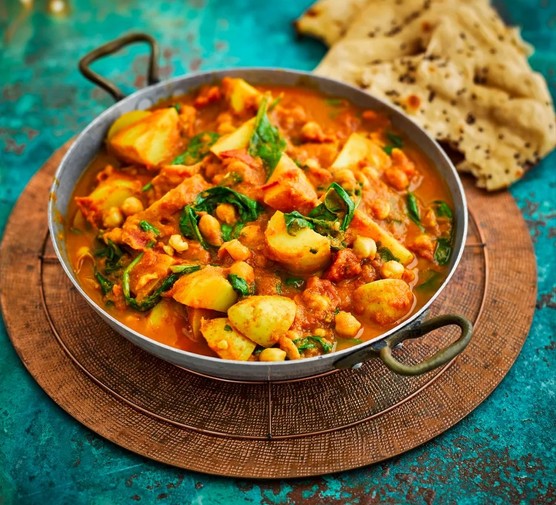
column 320, row 332
column 316, row 302
column 397, row 178
column 225, row 128
column 226, row 213
column 347, row 325
column 370, row 172
column 115, row 235
column 429, row 219
column 312, row 163
column 400, row 159
column 253, row 236
column 237, row 166
column 363, row 180
column 392, row 270
column 178, row 243
column 243, row 270
column 112, row 218
column 132, row 205
column 225, row 123
column 210, row 228
column 424, row 246
column 287, row 345
column 168, row 250
column 364, row 247
column 272, row 354
column 312, row 132
column 224, row 117
column 345, row 178
column 235, row 249
column 380, row 209
column 408, row 276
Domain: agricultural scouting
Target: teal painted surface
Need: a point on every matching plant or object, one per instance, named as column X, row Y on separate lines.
column 502, row 453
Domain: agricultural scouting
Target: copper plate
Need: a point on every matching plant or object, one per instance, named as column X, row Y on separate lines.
column 335, row 422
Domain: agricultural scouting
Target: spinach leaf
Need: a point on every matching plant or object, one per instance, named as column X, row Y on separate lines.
column 230, row 232
column 208, row 200
column 431, row 283
column 184, row 269
column 112, row 253
column 296, row 282
column 325, row 218
column 147, row 186
column 189, row 226
column 231, row 179
column 443, row 251
column 336, row 201
column 442, row 209
column 274, row 103
column 105, row 284
column 266, row 142
column 413, row 209
column 386, row 254
column 198, row 147
column 349, row 341
column 148, row 227
column 394, row 141
column 150, row 301
column 335, row 102
column 310, row 341
column 240, row 285
column 295, row 221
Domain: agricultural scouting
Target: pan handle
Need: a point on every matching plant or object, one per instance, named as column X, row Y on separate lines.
column 384, row 347
column 112, row 47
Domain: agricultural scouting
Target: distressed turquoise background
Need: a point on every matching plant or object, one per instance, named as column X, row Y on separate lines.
column 502, row 453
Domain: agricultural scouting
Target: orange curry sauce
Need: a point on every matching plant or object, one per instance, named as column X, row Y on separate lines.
column 131, row 201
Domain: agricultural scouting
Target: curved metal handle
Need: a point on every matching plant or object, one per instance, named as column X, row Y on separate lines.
column 384, row 347
column 439, row 358
column 112, row 47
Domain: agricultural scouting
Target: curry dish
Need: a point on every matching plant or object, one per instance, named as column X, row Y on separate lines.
column 259, row 223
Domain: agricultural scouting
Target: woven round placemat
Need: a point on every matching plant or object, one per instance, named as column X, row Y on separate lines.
column 335, row 422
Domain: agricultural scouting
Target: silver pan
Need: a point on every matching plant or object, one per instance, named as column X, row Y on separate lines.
column 90, row 141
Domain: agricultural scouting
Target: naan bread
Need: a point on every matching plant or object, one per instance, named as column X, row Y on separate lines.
column 460, row 73
column 328, row 20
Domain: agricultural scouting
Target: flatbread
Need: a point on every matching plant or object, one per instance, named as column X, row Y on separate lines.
column 460, row 73
column 328, row 20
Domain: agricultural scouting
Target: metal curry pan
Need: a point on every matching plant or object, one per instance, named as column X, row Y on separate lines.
column 90, row 141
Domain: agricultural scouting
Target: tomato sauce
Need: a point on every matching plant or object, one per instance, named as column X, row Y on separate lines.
column 259, row 223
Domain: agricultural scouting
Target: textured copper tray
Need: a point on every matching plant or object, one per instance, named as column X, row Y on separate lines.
column 315, row 426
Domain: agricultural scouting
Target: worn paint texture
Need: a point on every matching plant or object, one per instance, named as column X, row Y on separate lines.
column 502, row 453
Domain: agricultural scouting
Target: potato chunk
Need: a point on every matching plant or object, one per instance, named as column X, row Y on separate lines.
column 305, row 252
column 225, row 341
column 358, row 151
column 205, row 289
column 366, row 227
column 196, row 318
column 384, row 301
column 238, row 139
column 239, row 94
column 149, row 141
column 111, row 192
column 288, row 188
column 263, row 319
column 125, row 120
